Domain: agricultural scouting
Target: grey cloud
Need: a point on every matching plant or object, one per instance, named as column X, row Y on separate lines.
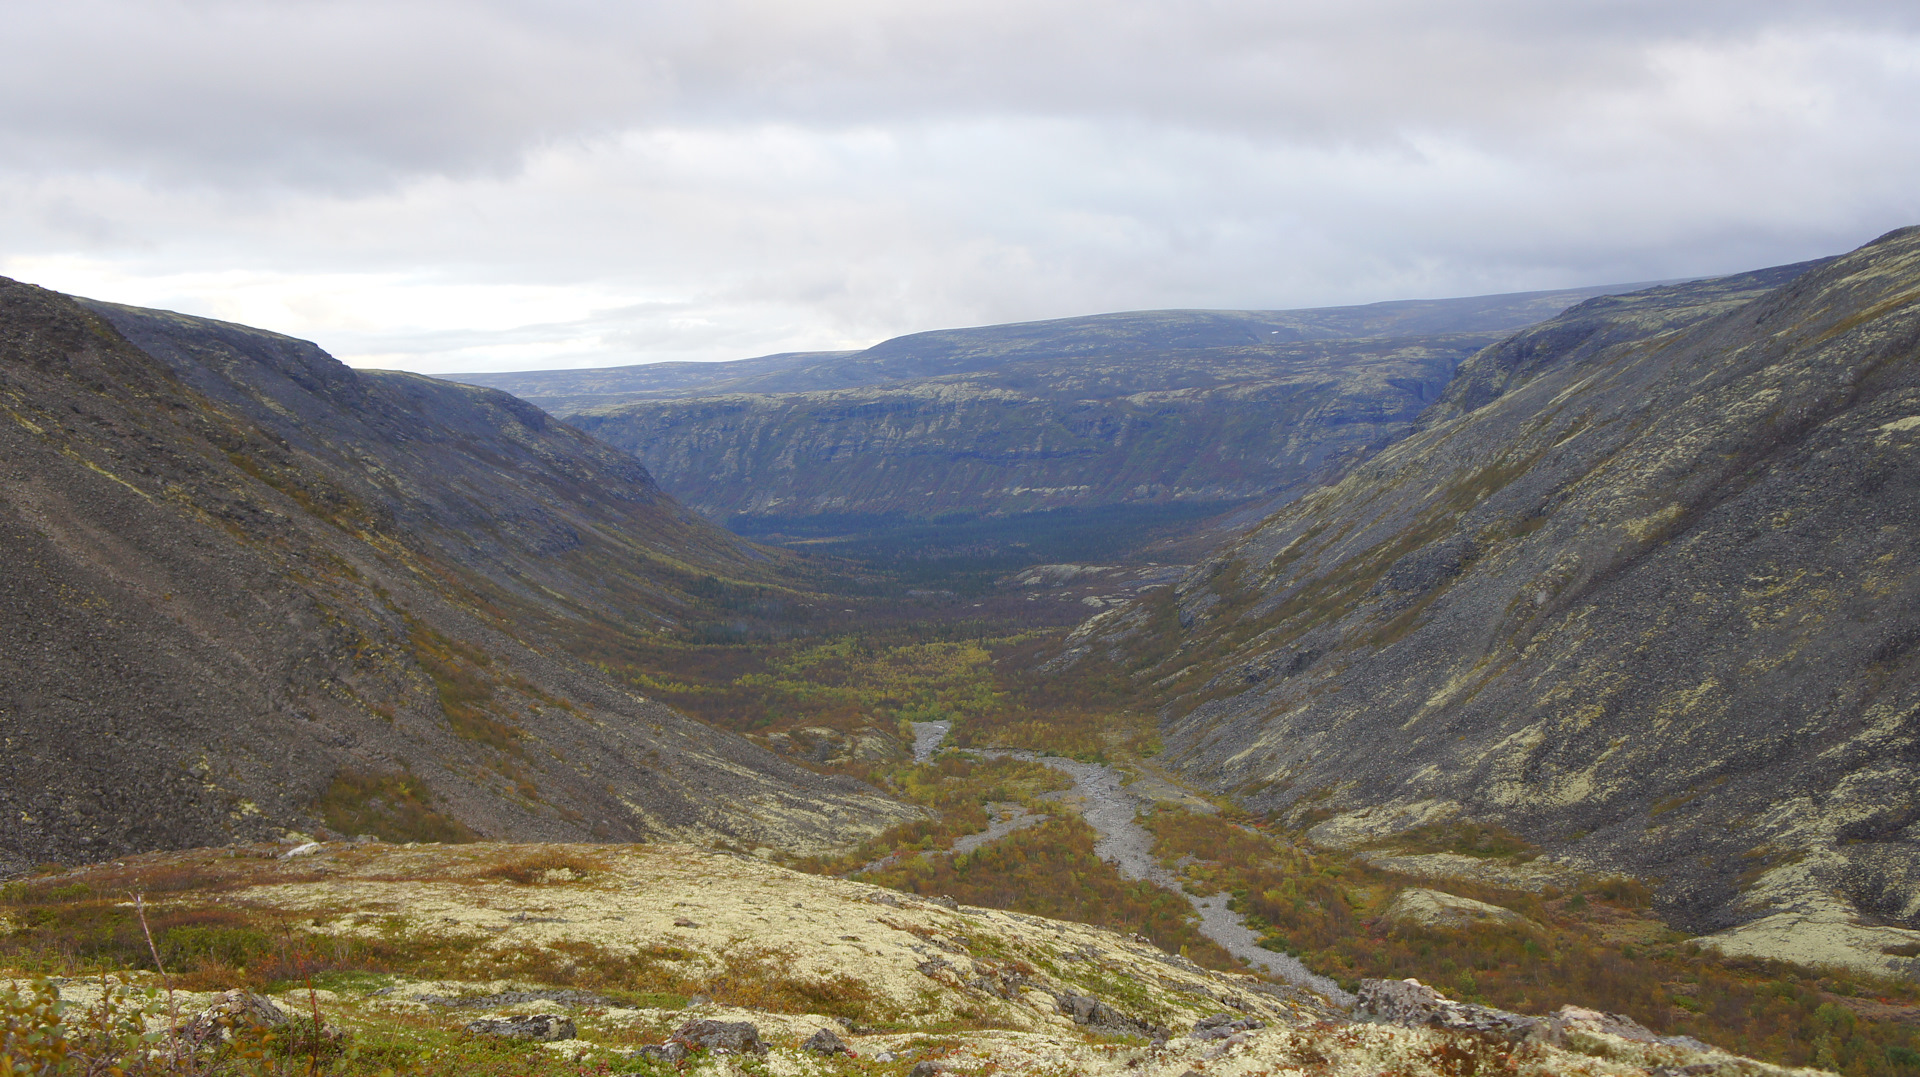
column 677, row 180
column 344, row 95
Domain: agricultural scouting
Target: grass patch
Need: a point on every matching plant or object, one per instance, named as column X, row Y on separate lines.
column 392, row 807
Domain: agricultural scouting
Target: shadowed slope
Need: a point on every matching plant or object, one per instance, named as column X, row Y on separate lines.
column 248, row 589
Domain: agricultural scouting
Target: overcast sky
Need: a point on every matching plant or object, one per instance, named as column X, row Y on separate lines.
column 499, row 184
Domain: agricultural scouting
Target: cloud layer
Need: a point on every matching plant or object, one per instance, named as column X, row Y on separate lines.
column 489, row 185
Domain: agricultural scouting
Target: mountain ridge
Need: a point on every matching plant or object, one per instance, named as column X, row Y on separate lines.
column 1212, row 409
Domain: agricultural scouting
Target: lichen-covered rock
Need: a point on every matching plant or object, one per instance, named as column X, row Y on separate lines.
column 543, row 1027
column 229, row 1013
column 1569, row 1020
column 1433, row 908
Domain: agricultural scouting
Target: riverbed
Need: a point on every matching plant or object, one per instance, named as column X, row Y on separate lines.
column 1113, row 811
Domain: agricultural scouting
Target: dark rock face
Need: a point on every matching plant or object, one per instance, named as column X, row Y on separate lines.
column 1139, row 408
column 248, row 589
column 1642, row 587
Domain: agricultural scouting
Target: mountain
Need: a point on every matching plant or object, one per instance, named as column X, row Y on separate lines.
column 1151, row 408
column 1642, row 588
column 248, row 589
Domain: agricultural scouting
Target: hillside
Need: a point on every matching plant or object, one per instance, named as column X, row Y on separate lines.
column 248, row 589
column 1206, row 409
column 1641, row 589
column 404, row 952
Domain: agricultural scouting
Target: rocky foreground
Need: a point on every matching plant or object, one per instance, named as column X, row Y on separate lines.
column 667, row 955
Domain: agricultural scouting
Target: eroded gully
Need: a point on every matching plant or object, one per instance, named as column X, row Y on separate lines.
column 1113, row 812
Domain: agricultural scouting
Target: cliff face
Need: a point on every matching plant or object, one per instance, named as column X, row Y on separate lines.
column 247, row 589
column 1054, row 435
column 1140, row 408
column 1642, row 587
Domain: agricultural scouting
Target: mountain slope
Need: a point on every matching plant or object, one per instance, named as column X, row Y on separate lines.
column 1144, row 408
column 1642, row 588
column 248, row 589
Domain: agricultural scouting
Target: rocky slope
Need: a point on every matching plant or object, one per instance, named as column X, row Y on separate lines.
column 623, row 945
column 248, row 589
column 1642, row 587
column 1208, row 407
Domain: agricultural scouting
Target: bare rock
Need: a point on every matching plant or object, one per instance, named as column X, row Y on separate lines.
column 1414, row 1004
column 1220, row 1026
column 543, row 1027
column 671, row 1051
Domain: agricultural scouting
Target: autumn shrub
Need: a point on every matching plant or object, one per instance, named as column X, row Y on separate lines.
column 1052, row 870
column 1598, row 947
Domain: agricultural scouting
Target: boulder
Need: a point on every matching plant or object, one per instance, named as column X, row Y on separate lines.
column 230, row 1012
column 543, row 1027
column 825, row 1042
column 721, row 1037
column 669, row 1052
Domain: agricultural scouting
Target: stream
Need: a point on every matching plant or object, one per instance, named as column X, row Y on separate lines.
column 1113, row 812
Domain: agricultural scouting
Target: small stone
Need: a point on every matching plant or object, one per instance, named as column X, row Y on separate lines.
column 663, row 1052
column 825, row 1042
column 308, row 849
column 722, row 1037
column 1221, row 1026
column 542, row 1027
column 926, row 1068
column 885, row 1056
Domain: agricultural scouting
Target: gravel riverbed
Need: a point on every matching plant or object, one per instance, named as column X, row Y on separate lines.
column 1113, row 811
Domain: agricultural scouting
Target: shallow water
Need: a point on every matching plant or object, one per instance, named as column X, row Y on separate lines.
column 1113, row 812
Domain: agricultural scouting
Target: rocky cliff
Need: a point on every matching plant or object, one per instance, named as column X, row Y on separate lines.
column 1642, row 587
column 247, row 589
column 1150, row 407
